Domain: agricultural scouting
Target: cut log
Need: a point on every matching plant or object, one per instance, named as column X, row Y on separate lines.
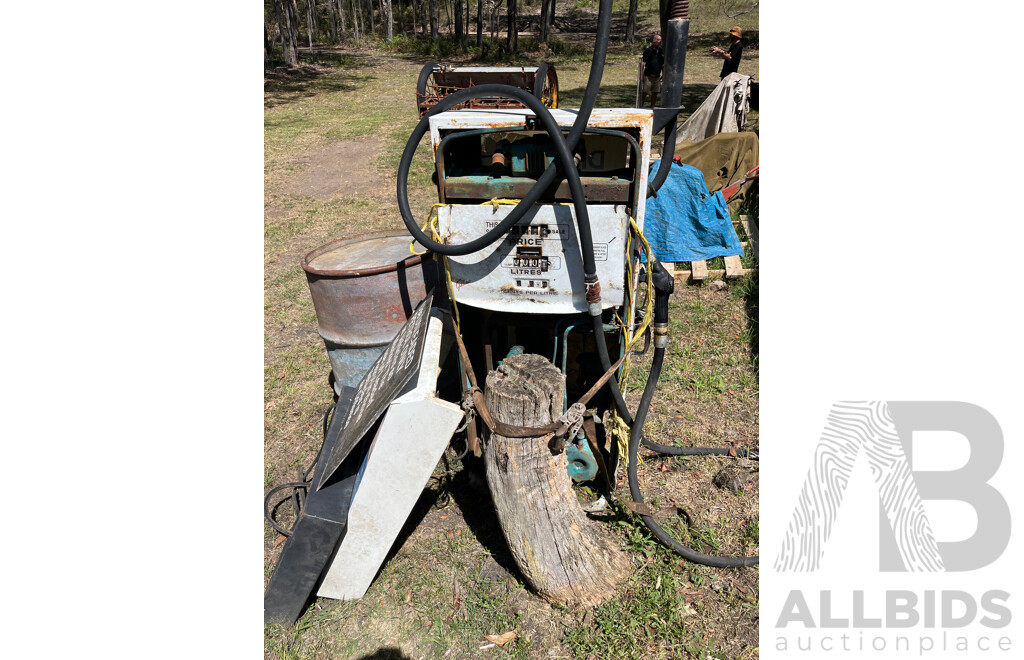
column 565, row 557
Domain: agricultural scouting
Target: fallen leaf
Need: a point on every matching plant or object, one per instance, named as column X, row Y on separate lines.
column 678, row 416
column 664, row 467
column 732, row 452
column 408, row 598
column 281, row 376
column 279, row 541
column 269, row 405
column 732, row 391
column 502, row 639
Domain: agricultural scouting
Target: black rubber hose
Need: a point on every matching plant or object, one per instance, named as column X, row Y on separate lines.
column 668, row 152
column 545, row 180
column 634, row 486
column 267, row 515
column 620, row 403
column 563, row 159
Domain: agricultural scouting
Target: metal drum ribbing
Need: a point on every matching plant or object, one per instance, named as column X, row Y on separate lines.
column 364, row 289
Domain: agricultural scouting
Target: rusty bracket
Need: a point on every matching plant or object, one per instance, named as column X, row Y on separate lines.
column 590, row 430
column 639, row 508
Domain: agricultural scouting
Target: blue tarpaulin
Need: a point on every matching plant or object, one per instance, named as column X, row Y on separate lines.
column 687, row 223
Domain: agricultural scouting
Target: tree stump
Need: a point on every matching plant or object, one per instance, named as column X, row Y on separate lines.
column 565, row 557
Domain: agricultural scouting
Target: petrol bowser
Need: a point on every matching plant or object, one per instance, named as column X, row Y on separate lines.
column 526, row 292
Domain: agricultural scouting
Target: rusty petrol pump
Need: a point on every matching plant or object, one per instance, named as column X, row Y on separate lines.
column 535, row 284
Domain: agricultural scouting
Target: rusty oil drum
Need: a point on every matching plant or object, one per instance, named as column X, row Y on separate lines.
column 364, row 289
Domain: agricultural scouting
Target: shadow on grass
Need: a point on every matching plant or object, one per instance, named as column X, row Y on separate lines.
column 470, row 493
column 284, row 85
column 386, row 653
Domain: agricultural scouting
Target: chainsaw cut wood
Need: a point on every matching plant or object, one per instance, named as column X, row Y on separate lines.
column 564, row 556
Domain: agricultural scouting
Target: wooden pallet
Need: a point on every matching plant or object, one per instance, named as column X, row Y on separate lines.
column 734, row 269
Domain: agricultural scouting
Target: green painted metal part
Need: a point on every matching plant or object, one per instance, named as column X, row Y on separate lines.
column 582, row 466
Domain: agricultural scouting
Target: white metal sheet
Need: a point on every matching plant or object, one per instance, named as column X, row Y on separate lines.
column 538, row 267
column 410, row 440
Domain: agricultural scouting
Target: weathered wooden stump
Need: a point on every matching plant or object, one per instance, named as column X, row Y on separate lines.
column 564, row 556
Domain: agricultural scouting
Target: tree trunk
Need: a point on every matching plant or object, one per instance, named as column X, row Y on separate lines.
column 266, row 48
column 564, row 556
column 460, row 37
column 373, row 22
column 278, row 11
column 388, row 17
column 341, row 18
column 479, row 23
column 310, row 22
column 355, row 18
column 494, row 18
column 512, row 39
column 433, row 19
column 545, row 11
column 289, row 32
column 631, row 20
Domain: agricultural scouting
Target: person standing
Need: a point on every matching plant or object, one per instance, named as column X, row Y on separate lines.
column 654, row 61
column 733, row 55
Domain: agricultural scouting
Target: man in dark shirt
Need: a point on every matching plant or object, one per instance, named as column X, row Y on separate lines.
column 654, row 60
column 731, row 56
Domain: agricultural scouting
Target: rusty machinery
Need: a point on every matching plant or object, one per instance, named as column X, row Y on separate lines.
column 438, row 81
column 539, row 224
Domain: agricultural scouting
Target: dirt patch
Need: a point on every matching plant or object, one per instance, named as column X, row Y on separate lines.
column 342, row 168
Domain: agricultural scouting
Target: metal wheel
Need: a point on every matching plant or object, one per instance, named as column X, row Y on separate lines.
column 545, row 85
column 421, row 87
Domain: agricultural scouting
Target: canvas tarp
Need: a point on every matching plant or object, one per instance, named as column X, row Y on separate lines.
column 723, row 111
column 723, row 159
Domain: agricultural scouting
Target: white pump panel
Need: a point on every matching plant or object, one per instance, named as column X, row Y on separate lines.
column 538, row 267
